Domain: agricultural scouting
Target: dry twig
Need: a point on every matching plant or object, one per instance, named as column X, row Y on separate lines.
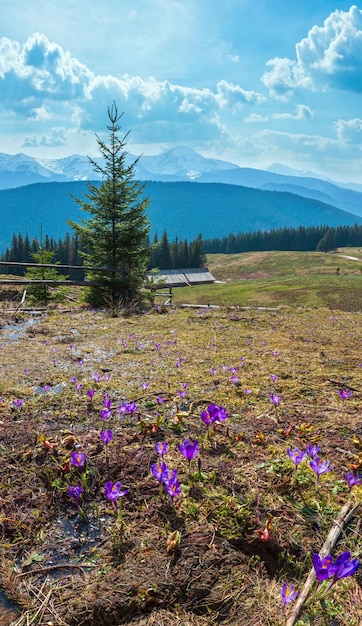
column 342, row 520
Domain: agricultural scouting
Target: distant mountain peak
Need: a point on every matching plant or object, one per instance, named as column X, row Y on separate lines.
column 285, row 170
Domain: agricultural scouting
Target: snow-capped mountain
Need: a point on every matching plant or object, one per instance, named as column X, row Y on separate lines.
column 182, row 163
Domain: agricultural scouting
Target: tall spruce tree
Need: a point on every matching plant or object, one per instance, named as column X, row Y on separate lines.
column 115, row 233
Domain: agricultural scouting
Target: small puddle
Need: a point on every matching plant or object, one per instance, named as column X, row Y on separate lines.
column 14, row 332
column 8, row 611
column 75, row 540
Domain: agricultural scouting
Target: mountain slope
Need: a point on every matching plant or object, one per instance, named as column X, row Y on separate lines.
column 184, row 164
column 184, row 209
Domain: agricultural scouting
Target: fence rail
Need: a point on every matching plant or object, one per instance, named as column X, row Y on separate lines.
column 59, row 267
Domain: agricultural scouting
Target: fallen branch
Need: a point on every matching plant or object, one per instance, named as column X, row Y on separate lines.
column 342, row 520
column 50, row 568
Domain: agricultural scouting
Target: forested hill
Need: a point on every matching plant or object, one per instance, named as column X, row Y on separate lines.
column 184, row 209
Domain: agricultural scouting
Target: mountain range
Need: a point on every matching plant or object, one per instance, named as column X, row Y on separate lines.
column 189, row 194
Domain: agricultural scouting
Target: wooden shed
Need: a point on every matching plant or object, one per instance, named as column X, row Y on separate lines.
column 179, row 278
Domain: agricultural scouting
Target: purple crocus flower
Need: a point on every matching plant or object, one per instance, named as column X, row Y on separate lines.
column 207, row 418
column 131, row 407
column 296, row 455
column 106, row 436
column 160, row 399
column 247, row 391
column 90, row 393
column 18, row 403
column 173, row 486
column 96, row 377
column 274, row 378
column 188, row 449
column 114, row 491
column 319, row 466
column 146, row 386
column 345, row 393
column 288, row 593
column 275, row 399
column 352, row 479
column 105, row 413
column 161, row 448
column 160, row 471
column 323, row 568
column 344, row 567
column 75, row 493
column 312, row 450
column 107, row 402
column 219, row 413
column 78, row 459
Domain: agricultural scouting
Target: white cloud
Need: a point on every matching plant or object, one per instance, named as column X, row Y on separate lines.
column 293, row 140
column 303, row 112
column 349, row 131
column 329, row 57
column 56, row 137
column 254, row 118
column 40, row 77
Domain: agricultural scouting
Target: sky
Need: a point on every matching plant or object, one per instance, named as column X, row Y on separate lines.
column 253, row 82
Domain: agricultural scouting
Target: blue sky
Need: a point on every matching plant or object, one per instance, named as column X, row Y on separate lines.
column 249, row 81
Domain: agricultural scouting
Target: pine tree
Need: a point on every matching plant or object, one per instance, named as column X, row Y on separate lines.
column 114, row 236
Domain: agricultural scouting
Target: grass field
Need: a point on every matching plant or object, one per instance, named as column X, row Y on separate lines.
column 283, row 369
column 281, row 278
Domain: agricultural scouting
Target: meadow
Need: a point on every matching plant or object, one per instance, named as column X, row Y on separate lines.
column 188, row 466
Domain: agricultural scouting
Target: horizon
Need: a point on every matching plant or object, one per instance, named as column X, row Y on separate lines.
column 251, row 85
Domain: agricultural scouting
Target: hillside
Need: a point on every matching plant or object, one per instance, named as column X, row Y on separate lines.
column 184, row 209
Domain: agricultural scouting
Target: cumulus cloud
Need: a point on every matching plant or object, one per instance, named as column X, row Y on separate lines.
column 39, row 77
column 349, row 131
column 329, row 57
column 56, row 137
column 303, row 112
column 254, row 118
column 293, row 140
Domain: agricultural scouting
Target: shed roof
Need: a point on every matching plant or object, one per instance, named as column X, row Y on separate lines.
column 183, row 277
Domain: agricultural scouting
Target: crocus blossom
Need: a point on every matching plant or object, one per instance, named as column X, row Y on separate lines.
column 341, row 568
column 214, row 414
column 160, row 471
column 188, row 449
column 288, row 593
column 296, row 455
column 323, row 567
column 173, row 485
column 344, row 567
column 352, row 479
column 75, row 492
column 319, row 466
column 161, row 448
column 114, row 491
column 345, row 393
column 78, row 459
column 275, row 399
column 106, row 436
column 312, row 450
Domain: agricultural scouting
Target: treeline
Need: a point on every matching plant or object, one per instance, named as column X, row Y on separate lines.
column 183, row 254
column 67, row 251
column 177, row 254
column 307, row 239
